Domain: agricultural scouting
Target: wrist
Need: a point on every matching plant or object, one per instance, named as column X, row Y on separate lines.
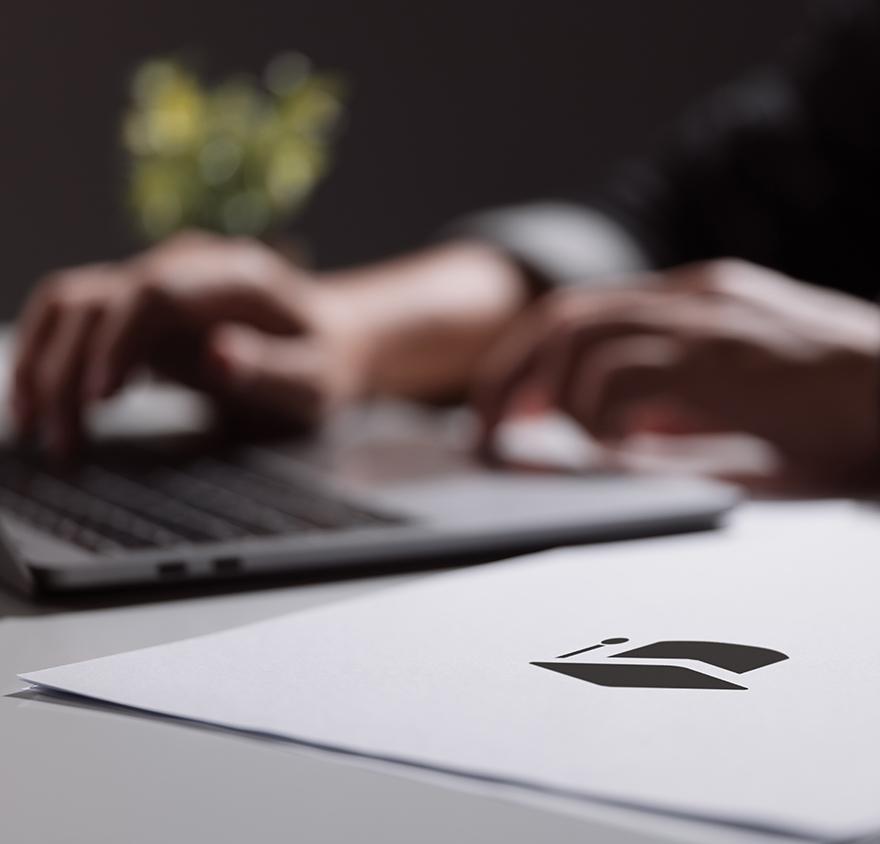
column 416, row 324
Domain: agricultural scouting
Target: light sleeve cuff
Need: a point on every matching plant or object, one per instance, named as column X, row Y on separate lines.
column 559, row 243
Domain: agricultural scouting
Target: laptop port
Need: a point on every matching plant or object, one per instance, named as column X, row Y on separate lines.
column 227, row 565
column 174, row 568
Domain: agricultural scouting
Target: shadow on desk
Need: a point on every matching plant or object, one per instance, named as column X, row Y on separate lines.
column 14, row 605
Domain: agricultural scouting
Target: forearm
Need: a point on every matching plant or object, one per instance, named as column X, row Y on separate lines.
column 419, row 324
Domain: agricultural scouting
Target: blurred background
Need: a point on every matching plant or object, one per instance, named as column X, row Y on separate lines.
column 452, row 105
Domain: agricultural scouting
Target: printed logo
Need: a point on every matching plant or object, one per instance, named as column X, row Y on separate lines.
column 646, row 674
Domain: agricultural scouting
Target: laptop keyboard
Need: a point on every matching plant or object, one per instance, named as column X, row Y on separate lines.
column 107, row 505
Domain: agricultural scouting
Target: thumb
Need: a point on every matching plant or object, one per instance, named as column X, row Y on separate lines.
column 284, row 376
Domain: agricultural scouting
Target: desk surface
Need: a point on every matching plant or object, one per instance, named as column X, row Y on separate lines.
column 74, row 774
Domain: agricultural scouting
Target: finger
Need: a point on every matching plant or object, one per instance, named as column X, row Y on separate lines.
column 540, row 355
column 549, row 348
column 652, row 326
column 35, row 326
column 284, row 377
column 213, row 280
column 623, row 375
column 122, row 339
column 510, row 367
column 58, row 377
column 575, row 359
column 584, row 323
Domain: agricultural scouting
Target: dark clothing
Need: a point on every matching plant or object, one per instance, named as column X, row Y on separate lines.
column 783, row 170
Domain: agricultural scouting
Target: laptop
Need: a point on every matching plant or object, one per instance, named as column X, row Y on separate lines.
column 160, row 495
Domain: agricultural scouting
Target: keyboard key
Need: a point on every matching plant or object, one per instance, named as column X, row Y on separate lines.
column 140, row 501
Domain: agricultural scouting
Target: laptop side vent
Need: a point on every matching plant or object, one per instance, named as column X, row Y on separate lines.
column 227, row 565
column 171, row 570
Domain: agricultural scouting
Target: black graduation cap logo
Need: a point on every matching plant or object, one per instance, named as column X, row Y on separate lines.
column 736, row 658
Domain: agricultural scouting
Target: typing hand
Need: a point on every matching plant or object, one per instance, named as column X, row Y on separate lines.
column 716, row 346
column 227, row 316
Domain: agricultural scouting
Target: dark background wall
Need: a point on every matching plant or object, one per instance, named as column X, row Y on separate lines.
column 457, row 104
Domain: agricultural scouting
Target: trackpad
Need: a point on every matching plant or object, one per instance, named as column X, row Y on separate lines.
column 517, row 500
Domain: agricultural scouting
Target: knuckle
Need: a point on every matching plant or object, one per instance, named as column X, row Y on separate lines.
column 68, row 289
column 551, row 304
column 150, row 283
column 243, row 241
column 156, row 257
column 188, row 238
column 52, row 280
column 151, row 288
column 560, row 314
column 55, row 285
column 723, row 275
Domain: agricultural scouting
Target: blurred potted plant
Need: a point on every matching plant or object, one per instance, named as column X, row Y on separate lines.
column 240, row 157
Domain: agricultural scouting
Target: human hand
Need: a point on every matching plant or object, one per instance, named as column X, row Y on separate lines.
column 229, row 317
column 717, row 346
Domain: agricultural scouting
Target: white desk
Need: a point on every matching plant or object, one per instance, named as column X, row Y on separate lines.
column 73, row 775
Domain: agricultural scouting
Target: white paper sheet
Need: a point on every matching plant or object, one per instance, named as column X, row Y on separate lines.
column 440, row 673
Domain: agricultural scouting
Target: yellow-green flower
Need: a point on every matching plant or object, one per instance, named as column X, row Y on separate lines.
column 239, row 157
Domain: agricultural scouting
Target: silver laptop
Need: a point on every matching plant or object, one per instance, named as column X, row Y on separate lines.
column 382, row 485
